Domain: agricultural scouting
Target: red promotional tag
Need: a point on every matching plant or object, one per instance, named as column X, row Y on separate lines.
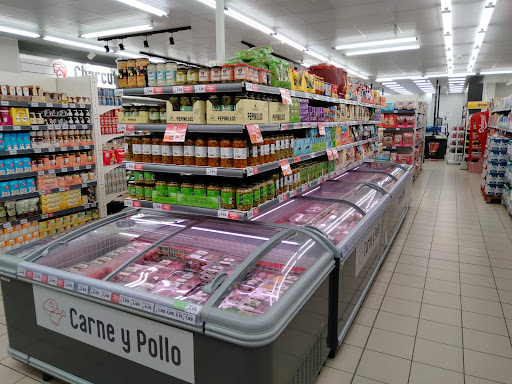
column 335, row 153
column 175, row 133
column 285, row 167
column 330, row 156
column 285, row 95
column 254, row 133
column 321, row 129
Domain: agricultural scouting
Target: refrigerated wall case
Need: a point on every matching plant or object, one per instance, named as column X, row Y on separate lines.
column 175, row 298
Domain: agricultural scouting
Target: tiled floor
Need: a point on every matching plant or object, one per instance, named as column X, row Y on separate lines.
column 440, row 310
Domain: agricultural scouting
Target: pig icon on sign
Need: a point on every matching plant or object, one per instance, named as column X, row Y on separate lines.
column 51, row 308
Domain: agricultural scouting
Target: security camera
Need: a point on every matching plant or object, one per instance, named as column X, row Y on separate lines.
column 91, row 55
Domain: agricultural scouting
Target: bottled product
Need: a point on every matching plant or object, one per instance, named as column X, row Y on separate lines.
column 216, row 74
column 170, row 73
column 239, row 152
column 256, row 194
column 166, row 153
column 146, row 149
column 181, row 75
column 228, row 197
column 122, row 69
column 266, row 150
column 189, row 151
column 152, row 81
column 200, row 189
column 193, row 76
column 141, row 70
column 204, row 75
column 163, row 114
column 173, row 186
column 213, row 190
column 252, row 160
column 213, row 152
column 137, row 148
column 154, row 115
column 131, row 69
column 226, row 152
column 228, row 74
column 156, row 150
column 128, row 151
column 161, row 74
column 178, row 153
column 161, row 188
column 201, row 151
column 244, row 198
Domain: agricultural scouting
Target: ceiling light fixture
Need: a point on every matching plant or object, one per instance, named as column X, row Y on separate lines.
column 482, row 29
column 499, row 72
column 210, row 3
column 145, row 7
column 248, row 21
column 317, row 55
column 446, row 15
column 412, row 77
column 171, row 40
column 146, row 43
column 72, row 43
column 121, row 46
column 290, row 42
column 20, row 32
column 382, row 50
column 118, row 31
column 377, row 43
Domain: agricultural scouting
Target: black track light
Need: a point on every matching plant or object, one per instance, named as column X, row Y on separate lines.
column 121, row 46
column 171, row 40
column 107, row 49
column 146, row 44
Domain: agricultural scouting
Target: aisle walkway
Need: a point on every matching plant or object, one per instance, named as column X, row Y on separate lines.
column 440, row 310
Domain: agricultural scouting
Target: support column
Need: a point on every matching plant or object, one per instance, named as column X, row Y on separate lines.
column 220, row 33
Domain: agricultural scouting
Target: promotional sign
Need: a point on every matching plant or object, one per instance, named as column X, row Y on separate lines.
column 285, row 95
column 321, row 129
column 479, row 122
column 152, row 344
column 367, row 245
column 478, row 104
column 254, row 133
column 175, row 133
column 285, row 167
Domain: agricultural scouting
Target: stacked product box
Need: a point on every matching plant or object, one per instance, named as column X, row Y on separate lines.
column 495, row 166
column 108, row 122
column 115, row 181
column 106, row 97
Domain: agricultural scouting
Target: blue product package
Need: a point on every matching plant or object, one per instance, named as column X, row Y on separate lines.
column 5, row 189
column 9, row 166
column 2, row 142
column 3, row 171
column 31, row 182
column 26, row 140
column 7, row 142
column 23, row 186
column 27, row 164
column 14, row 185
column 18, row 165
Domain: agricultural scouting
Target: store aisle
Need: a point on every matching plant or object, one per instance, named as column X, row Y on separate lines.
column 440, row 310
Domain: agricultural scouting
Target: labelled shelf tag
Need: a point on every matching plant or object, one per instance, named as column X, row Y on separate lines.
column 321, row 129
column 175, row 133
column 285, row 95
column 285, row 167
column 254, row 133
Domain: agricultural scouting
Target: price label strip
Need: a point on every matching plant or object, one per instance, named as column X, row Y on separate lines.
column 175, row 133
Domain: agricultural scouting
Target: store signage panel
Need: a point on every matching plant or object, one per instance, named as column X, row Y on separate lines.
column 478, row 104
column 367, row 245
column 155, row 345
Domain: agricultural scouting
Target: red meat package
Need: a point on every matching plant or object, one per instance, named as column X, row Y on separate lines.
column 397, row 140
column 96, row 271
column 408, row 139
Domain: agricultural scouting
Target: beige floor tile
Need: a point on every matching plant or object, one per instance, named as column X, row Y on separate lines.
column 440, row 314
column 504, row 284
column 4, row 343
column 484, row 323
column 401, row 307
column 9, row 376
column 507, row 310
column 482, row 281
column 415, row 252
column 418, row 244
column 445, row 248
column 388, row 266
column 373, row 301
column 443, row 264
column 439, row 332
column 404, row 292
column 478, row 292
column 3, row 329
column 441, row 274
column 448, row 256
column 379, row 287
column 391, row 343
column 27, row 380
column 499, row 254
column 475, row 260
column 475, row 269
column 413, row 260
column 472, row 251
column 487, row 343
column 444, row 240
column 364, row 380
column 472, row 244
column 384, row 368
column 22, row 368
column 392, row 256
column 501, row 263
column 413, row 270
column 477, row 380
column 487, row 366
column 442, row 286
column 442, row 299
column 366, row 316
column 384, row 276
column 502, row 273
column 346, row 358
column 408, row 280
column 422, row 238
column 357, row 335
column 427, row 374
column 439, row 355
column 396, row 323
column 330, row 376
column 485, row 307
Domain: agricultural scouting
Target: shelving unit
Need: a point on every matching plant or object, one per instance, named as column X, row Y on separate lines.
column 34, row 104
column 454, row 156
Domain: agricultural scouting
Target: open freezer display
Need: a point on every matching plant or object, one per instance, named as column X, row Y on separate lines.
column 380, row 178
column 396, row 170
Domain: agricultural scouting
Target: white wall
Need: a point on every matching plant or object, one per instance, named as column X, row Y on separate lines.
column 450, row 109
column 502, row 90
column 10, row 55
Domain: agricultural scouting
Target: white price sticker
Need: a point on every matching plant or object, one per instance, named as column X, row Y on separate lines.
column 40, row 173
column 51, row 149
column 222, row 214
column 52, row 280
column 35, row 127
column 69, row 285
column 157, row 206
column 130, row 166
column 37, row 276
column 37, row 150
column 148, row 307
column 16, row 128
column 4, row 103
column 72, row 105
column 118, row 92
column 81, row 106
column 135, row 303
column 63, row 169
column 124, row 300
column 95, row 292
column 83, row 289
column 76, row 168
column 200, row 88
column 211, row 171
column 250, row 214
column 62, row 189
column 23, row 221
column 65, row 106
column 13, row 152
column 87, row 167
column 177, row 89
column 148, row 91
column 248, row 87
column 105, row 295
column 76, row 148
column 49, row 105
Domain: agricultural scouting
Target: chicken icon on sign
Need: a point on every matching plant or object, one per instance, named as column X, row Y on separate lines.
column 51, row 308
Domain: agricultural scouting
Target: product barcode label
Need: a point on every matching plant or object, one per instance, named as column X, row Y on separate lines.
column 175, row 314
column 16, row 128
column 83, row 289
column 211, row 171
column 69, row 285
column 118, row 92
column 49, row 105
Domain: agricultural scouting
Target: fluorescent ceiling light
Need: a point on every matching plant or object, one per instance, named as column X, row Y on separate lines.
column 377, row 43
column 381, row 50
column 486, row 16
column 129, row 54
column 248, row 21
column 447, row 22
column 317, row 55
column 117, row 31
column 74, row 43
column 20, row 32
column 500, row 72
column 290, row 42
column 210, row 3
column 388, row 79
column 145, row 7
column 446, row 5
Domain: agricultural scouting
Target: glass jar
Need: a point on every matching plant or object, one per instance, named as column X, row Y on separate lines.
column 156, row 149
column 132, row 191
column 175, row 102
column 252, row 160
column 226, row 152
column 128, row 148
column 181, row 75
column 149, row 187
column 271, row 191
column 263, row 191
column 216, row 74
column 272, row 148
column 193, row 75
column 137, row 148
column 152, row 69
column 185, row 104
column 278, row 148
column 140, row 193
column 266, row 150
column 204, row 75
column 170, row 73
column 166, row 152
column 201, row 152
column 187, row 188
column 227, row 197
column 213, row 190
column 173, row 187
column 228, row 73
column 256, row 195
column 154, row 115
column 146, row 149
column 161, row 188
column 285, row 147
column 189, row 151
column 213, row 152
column 239, row 152
column 290, row 145
column 178, row 153
column 228, row 103
column 163, row 114
column 160, row 75
column 215, row 100
column 244, row 198
column 241, row 72
column 277, row 185
column 200, row 189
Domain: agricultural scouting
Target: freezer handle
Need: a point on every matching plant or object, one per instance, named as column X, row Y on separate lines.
column 211, row 287
column 53, row 246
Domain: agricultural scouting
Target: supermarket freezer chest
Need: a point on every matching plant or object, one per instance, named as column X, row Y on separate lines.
column 145, row 296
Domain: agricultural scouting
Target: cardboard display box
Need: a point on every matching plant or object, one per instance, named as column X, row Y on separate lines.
column 246, row 112
column 196, row 116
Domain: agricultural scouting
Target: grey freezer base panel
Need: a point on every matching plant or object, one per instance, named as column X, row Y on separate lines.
column 295, row 357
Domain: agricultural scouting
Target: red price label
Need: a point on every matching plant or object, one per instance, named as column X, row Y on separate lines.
column 296, row 159
column 211, row 88
column 175, row 133
column 158, row 90
column 136, row 204
column 130, row 128
column 138, row 167
column 166, row 207
column 285, row 95
column 233, row 216
column 335, row 153
column 187, row 89
column 254, row 133
column 115, row 298
column 330, row 156
column 321, row 129
column 285, row 167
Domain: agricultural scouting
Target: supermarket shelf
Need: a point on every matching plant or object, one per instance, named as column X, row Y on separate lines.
column 500, row 110
column 34, row 104
column 43, row 127
column 235, row 214
column 230, row 87
column 419, row 142
column 49, row 215
column 113, row 196
column 106, row 108
column 48, row 191
column 15, row 152
column 47, row 172
column 402, row 112
column 106, row 138
column 231, row 172
column 108, row 168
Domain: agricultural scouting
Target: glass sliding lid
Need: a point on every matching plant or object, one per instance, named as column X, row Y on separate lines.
column 362, row 195
column 396, row 170
column 380, row 178
column 101, row 250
